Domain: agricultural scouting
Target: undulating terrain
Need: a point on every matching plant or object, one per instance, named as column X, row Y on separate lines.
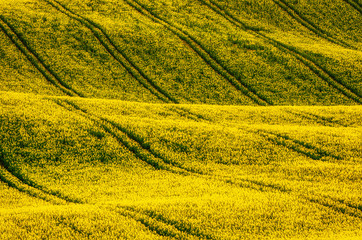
column 180, row 119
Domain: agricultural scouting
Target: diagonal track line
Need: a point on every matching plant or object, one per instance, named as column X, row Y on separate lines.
column 201, row 51
column 134, row 144
column 35, row 59
column 296, row 15
column 306, row 149
column 320, row 71
column 105, row 40
column 163, row 226
column 316, row 118
column 168, row 165
column 17, row 181
column 355, row 5
column 302, row 148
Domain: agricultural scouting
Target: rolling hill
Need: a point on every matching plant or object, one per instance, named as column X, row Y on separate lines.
column 180, row 119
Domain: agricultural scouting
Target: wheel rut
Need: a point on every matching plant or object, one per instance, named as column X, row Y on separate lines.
column 162, row 225
column 125, row 61
column 34, row 58
column 355, row 5
column 318, row 70
column 203, row 53
column 15, row 180
column 129, row 140
column 300, row 147
column 297, row 16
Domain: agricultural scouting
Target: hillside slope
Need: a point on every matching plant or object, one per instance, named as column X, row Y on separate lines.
column 180, row 119
column 76, row 168
column 244, row 52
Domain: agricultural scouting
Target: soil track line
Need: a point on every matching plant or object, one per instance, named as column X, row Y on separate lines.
column 185, row 113
column 73, row 227
column 302, row 148
column 18, row 182
column 316, row 118
column 201, row 51
column 355, row 5
column 296, row 15
column 133, row 143
column 35, row 59
column 105, row 40
column 320, row 71
column 306, row 149
column 357, row 2
column 163, row 226
column 166, row 164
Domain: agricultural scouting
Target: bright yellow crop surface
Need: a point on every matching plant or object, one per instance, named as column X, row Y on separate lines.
column 180, row 119
column 106, row 169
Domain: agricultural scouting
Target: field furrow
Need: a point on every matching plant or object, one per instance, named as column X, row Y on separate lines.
column 196, row 119
column 317, row 118
column 296, row 145
column 201, row 51
column 132, row 142
column 293, row 13
column 355, row 5
column 320, row 71
column 18, row 182
column 105, row 40
column 35, row 59
column 163, row 226
column 314, row 198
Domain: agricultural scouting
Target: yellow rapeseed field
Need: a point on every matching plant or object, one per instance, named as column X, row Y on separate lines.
column 181, row 119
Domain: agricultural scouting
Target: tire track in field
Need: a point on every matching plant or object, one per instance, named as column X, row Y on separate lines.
column 168, row 165
column 316, row 118
column 22, row 45
column 297, row 16
column 183, row 112
column 317, row 69
column 355, row 5
column 357, row 2
column 204, row 54
column 73, row 227
column 327, row 202
column 133, row 143
column 18, row 182
column 105, row 40
column 298, row 146
column 162, row 225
